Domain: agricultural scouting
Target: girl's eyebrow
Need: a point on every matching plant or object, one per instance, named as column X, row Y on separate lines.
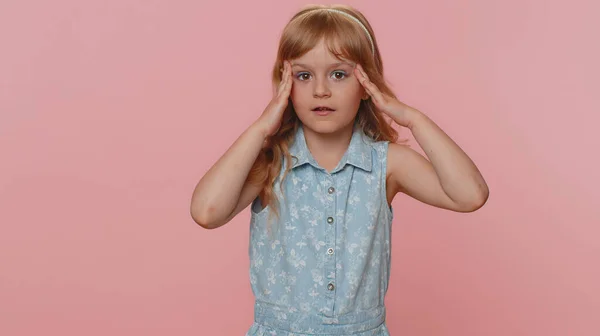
column 333, row 65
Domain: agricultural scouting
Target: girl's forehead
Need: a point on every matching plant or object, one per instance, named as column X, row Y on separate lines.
column 322, row 64
column 320, row 55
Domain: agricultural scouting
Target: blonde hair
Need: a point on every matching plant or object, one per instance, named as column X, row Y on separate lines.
column 345, row 39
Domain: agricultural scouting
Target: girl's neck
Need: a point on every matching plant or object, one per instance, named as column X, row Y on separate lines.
column 328, row 149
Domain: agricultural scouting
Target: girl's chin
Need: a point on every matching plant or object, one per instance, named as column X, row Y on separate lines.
column 326, row 126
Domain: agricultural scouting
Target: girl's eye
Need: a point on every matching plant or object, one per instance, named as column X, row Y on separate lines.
column 301, row 76
column 339, row 75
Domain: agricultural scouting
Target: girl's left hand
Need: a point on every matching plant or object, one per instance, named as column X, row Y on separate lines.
column 395, row 109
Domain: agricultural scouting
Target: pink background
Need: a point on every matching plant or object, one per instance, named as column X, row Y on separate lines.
column 111, row 111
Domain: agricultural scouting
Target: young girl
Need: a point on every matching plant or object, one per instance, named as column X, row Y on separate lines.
column 320, row 168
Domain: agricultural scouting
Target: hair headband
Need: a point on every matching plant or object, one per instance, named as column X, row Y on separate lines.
column 357, row 21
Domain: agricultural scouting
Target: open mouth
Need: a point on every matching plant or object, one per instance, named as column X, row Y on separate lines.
column 323, row 109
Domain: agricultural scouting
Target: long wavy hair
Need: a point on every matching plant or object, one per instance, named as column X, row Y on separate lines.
column 345, row 39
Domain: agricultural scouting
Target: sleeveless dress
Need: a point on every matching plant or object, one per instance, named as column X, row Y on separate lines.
column 324, row 267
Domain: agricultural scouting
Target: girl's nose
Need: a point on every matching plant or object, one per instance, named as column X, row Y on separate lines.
column 321, row 89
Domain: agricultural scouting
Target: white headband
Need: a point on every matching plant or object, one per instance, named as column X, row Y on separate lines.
column 357, row 21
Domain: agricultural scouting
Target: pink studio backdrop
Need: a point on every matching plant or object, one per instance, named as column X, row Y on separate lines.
column 110, row 112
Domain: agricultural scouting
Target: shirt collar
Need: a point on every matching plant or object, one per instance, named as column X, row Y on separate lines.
column 358, row 153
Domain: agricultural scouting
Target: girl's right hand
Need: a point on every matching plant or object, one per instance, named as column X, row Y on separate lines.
column 270, row 120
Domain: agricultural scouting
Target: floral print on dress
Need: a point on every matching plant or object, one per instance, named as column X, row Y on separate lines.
column 325, row 267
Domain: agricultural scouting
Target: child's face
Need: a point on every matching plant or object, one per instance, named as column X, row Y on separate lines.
column 320, row 79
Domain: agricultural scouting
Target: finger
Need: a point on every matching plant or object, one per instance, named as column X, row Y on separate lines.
column 288, row 69
column 363, row 74
column 283, row 66
column 283, row 80
column 362, row 79
column 374, row 92
column 370, row 87
column 287, row 89
column 360, row 74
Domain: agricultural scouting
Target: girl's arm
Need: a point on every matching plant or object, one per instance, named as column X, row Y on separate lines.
column 223, row 191
column 450, row 180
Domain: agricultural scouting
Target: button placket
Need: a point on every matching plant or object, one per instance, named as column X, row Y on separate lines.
column 331, row 197
column 330, row 191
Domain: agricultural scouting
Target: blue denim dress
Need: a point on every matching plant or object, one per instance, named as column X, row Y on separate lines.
column 324, row 265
